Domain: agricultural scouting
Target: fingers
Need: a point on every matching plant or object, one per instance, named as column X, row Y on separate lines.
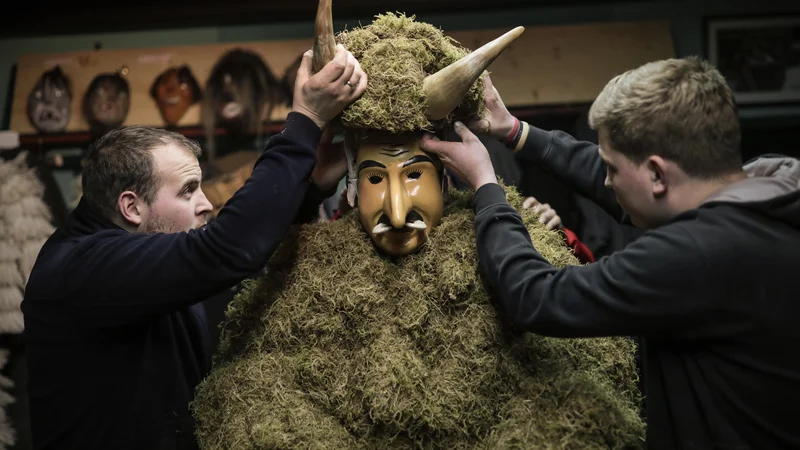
column 432, row 144
column 334, row 69
column 304, row 71
column 361, row 86
column 463, row 132
column 488, row 87
column 554, row 223
column 349, row 69
column 479, row 126
column 530, row 202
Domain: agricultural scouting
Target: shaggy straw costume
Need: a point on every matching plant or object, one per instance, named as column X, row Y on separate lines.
column 339, row 347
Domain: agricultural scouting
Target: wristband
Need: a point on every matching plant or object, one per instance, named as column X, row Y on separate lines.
column 513, row 133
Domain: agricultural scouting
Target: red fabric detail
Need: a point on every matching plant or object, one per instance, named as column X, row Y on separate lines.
column 580, row 249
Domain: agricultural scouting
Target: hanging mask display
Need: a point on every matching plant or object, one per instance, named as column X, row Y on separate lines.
column 174, row 91
column 50, row 102
column 106, row 102
column 240, row 91
column 287, row 81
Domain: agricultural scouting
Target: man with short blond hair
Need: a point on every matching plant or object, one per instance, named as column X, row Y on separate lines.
column 711, row 288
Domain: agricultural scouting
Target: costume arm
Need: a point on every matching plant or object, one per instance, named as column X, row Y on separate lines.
column 115, row 273
column 576, row 162
column 658, row 285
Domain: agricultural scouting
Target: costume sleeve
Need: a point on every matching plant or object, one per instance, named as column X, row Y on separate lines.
column 658, row 285
column 582, row 252
column 117, row 275
column 576, row 162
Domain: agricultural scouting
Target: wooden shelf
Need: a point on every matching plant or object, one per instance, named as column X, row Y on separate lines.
column 83, row 137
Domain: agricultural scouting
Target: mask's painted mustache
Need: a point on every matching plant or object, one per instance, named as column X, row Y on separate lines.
column 413, row 221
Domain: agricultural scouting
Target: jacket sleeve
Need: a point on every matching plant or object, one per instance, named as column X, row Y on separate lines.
column 658, row 285
column 576, row 162
column 115, row 274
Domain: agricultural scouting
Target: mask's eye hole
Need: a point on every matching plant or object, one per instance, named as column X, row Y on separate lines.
column 413, row 175
column 375, row 179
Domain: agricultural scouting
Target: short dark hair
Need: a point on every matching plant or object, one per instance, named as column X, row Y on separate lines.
column 679, row 109
column 122, row 160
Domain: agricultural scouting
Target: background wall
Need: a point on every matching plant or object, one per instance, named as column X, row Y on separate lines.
column 686, row 18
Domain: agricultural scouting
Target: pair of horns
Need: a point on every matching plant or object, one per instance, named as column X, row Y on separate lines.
column 444, row 89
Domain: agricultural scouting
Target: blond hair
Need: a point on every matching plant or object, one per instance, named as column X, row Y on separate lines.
column 679, row 109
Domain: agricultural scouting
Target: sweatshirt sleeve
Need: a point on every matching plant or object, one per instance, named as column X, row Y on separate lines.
column 576, row 162
column 656, row 286
column 114, row 274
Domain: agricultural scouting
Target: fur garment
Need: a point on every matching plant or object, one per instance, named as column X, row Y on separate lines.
column 25, row 225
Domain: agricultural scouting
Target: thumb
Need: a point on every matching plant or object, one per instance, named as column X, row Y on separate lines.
column 463, row 132
column 304, row 71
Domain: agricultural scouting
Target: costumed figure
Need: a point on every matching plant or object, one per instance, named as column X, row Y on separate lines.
column 174, row 91
column 50, row 102
column 375, row 330
column 241, row 91
column 106, row 103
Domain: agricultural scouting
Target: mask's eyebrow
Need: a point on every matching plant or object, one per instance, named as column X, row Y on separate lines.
column 392, row 150
column 370, row 163
column 417, row 159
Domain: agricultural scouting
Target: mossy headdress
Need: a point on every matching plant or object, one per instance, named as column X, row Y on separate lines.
column 419, row 79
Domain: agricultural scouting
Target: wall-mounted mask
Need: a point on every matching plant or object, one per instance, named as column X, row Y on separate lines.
column 106, row 102
column 174, row 91
column 240, row 90
column 50, row 102
column 288, row 80
column 400, row 195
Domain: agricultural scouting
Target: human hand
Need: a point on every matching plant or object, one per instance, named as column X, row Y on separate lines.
column 344, row 205
column 497, row 121
column 331, row 165
column 468, row 160
column 324, row 95
column 547, row 215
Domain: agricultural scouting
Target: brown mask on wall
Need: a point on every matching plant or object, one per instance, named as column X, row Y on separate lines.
column 106, row 102
column 400, row 195
column 174, row 91
column 240, row 90
column 50, row 102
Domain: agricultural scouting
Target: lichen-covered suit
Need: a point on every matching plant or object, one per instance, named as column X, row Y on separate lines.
column 340, row 346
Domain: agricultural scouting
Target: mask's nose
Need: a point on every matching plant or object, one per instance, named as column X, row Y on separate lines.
column 397, row 204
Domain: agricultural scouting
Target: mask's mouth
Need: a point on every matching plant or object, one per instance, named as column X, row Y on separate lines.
column 172, row 100
column 232, row 110
column 414, row 222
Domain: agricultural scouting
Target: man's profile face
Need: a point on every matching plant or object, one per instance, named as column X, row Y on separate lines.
column 180, row 204
column 399, row 192
column 632, row 185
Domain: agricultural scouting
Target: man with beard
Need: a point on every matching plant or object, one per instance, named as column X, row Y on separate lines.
column 116, row 331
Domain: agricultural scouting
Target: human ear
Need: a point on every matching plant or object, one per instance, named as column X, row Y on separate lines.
column 129, row 207
column 656, row 170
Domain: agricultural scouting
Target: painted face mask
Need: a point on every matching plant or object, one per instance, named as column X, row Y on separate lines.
column 106, row 102
column 50, row 102
column 399, row 191
column 174, row 91
column 412, row 88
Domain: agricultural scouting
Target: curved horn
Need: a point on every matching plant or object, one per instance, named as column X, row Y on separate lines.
column 446, row 88
column 324, row 42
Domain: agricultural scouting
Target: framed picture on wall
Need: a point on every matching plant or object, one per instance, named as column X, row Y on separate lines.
column 759, row 57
